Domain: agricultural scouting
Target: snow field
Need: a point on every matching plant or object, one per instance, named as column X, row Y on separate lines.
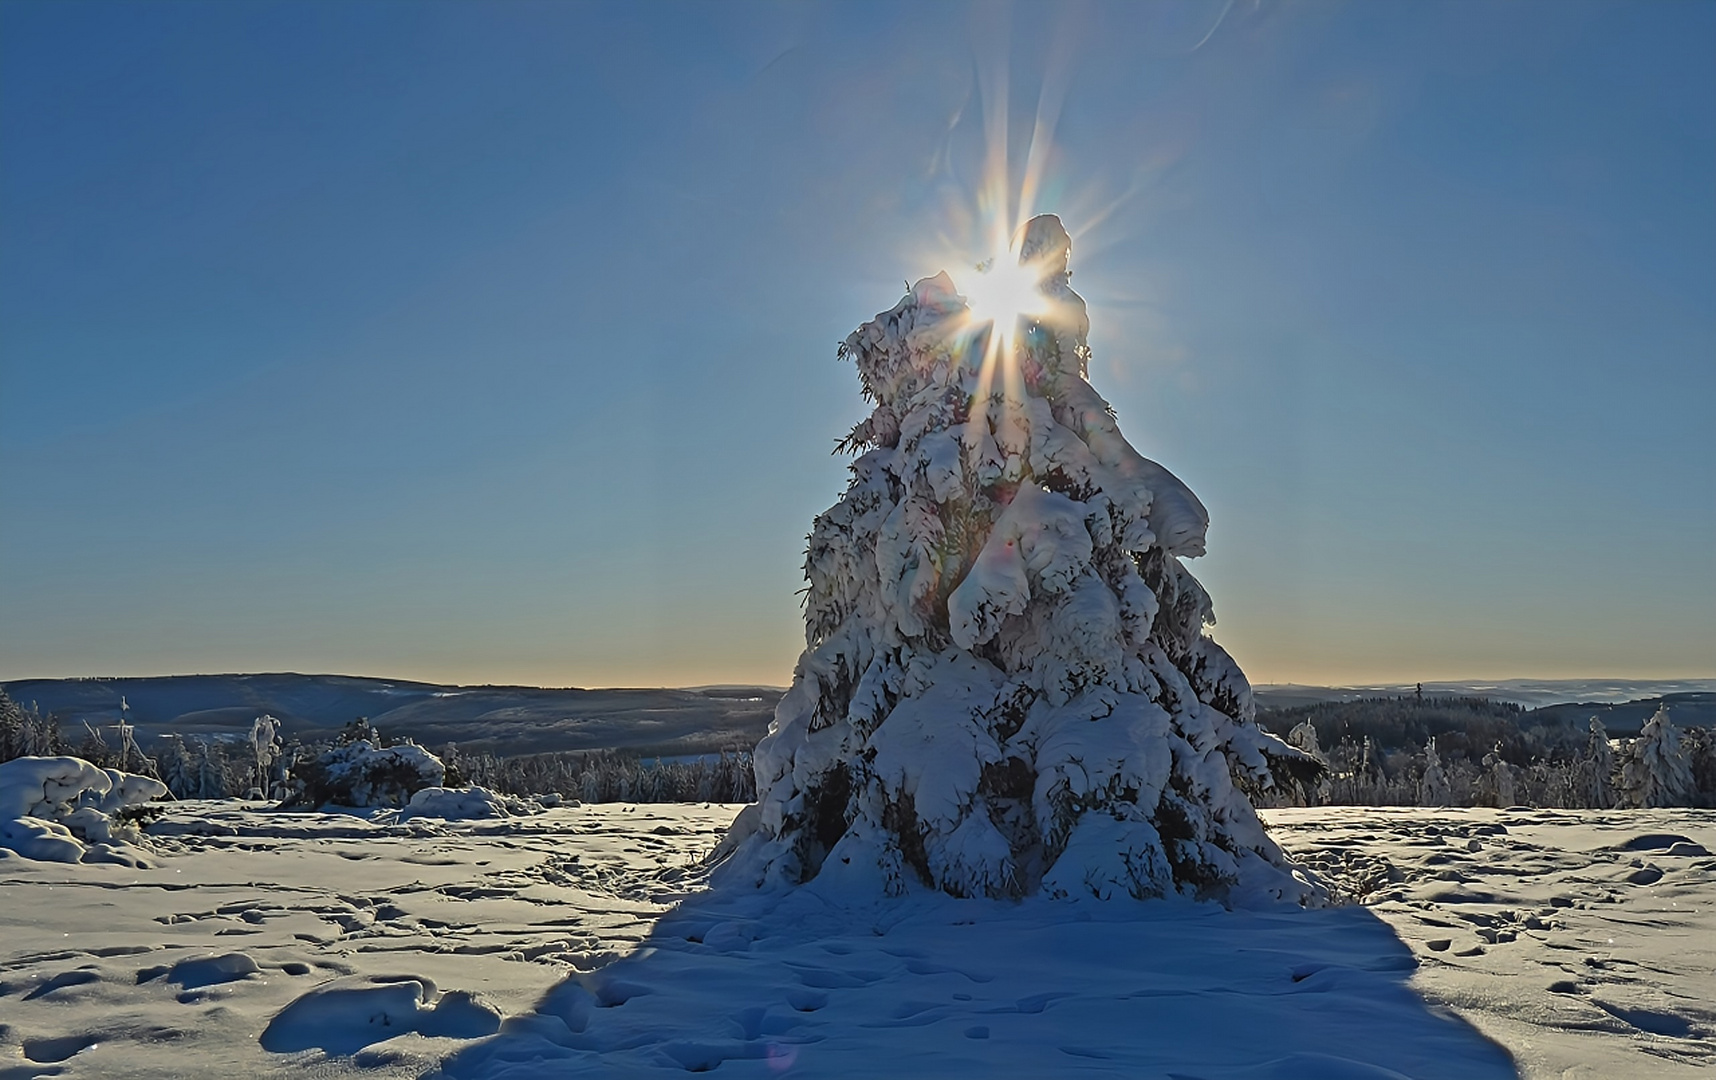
column 584, row 941
column 1584, row 941
column 91, row 982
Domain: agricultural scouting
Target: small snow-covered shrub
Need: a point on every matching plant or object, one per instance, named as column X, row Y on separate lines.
column 365, row 775
column 465, row 804
column 53, row 808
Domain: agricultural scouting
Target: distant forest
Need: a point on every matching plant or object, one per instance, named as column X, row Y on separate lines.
column 1381, row 751
column 1417, row 750
column 1461, row 725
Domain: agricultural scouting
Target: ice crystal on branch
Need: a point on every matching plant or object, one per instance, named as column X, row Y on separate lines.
column 1007, row 686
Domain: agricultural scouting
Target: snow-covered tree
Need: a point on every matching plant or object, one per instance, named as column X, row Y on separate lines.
column 214, row 776
column 1007, row 687
column 1371, row 764
column 176, row 761
column 1498, row 777
column 1598, row 778
column 266, row 748
column 1433, row 787
column 12, row 729
column 1656, row 771
column 453, row 764
column 1304, row 736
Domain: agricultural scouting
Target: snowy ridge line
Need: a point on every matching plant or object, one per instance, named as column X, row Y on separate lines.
column 503, row 719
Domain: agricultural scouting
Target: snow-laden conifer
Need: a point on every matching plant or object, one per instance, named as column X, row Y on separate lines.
column 180, row 762
column 1599, row 768
column 1304, row 736
column 266, row 748
column 1499, row 779
column 1007, row 687
column 1656, row 771
column 1433, row 787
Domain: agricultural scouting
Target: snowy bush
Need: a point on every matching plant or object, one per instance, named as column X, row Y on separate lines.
column 465, row 804
column 56, row 808
column 1007, row 687
column 362, row 774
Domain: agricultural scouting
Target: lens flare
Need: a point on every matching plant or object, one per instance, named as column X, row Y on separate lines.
column 1002, row 292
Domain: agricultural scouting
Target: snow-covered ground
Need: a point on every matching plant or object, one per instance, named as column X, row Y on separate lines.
column 258, row 944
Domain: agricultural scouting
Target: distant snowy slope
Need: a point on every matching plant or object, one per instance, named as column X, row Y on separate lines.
column 506, row 719
column 1530, row 693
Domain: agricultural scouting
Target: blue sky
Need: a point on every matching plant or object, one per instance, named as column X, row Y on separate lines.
column 495, row 342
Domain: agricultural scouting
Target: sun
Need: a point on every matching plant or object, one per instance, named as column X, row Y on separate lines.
column 1003, row 291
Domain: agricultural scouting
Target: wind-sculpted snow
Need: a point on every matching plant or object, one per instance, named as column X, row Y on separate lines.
column 347, row 1015
column 1007, row 687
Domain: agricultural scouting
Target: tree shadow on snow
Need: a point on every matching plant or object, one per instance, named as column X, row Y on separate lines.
column 805, row 984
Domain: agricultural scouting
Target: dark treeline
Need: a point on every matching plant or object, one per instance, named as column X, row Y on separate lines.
column 1465, row 726
column 611, row 776
column 262, row 766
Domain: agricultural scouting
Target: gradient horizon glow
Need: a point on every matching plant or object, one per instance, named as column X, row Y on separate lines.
column 484, row 342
